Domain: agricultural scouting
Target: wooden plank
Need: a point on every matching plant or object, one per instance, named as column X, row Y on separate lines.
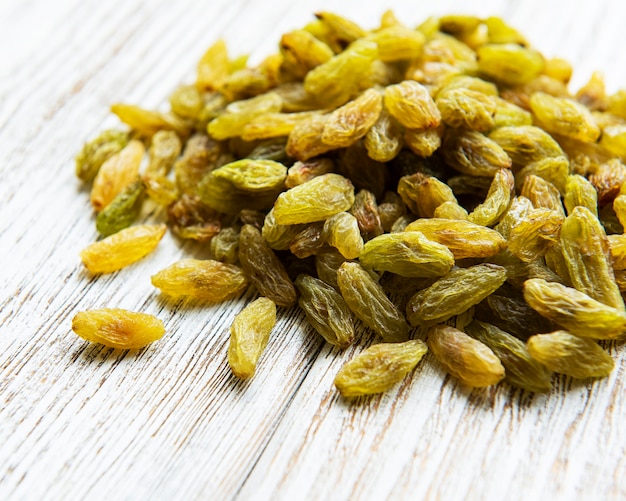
column 170, row 421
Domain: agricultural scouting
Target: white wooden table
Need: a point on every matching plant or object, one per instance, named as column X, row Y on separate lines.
column 78, row 421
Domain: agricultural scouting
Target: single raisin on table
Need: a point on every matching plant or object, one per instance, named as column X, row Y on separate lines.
column 249, row 335
column 118, row 328
column 379, row 367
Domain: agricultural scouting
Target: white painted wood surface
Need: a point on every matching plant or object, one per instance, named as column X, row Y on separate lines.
column 79, row 421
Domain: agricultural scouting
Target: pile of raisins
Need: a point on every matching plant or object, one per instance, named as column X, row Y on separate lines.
column 439, row 184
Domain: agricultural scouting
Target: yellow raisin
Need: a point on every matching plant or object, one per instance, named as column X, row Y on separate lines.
column 237, row 115
column 148, row 122
column 383, row 141
column 349, row 123
column 574, row 356
column 573, row 310
column 423, row 142
column 315, row 200
column 397, row 43
column 213, row 67
column 509, row 63
column 205, row 280
column 454, row 293
column 465, row 358
column 118, row 328
column 462, row 107
column 249, row 335
column 587, row 254
column 122, row 248
column 271, row 125
column 379, row 367
column 342, row 232
column 410, row 103
column 408, row 254
column 463, row 238
column 334, row 82
column 498, row 200
column 116, row 173
column 564, row 116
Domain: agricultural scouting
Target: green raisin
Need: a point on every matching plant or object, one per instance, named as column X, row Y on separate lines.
column 326, row 311
column 95, row 152
column 525, row 144
column 302, row 52
column 454, row 293
column 513, row 315
column 408, row 254
column 327, row 263
column 463, row 238
column 509, row 63
column 508, row 114
column 473, row 153
column 264, row 269
column 521, row 369
column 553, row 169
column 573, row 310
column 368, row 302
column 186, row 101
column 253, row 175
column 342, row 29
column 574, row 356
column 379, row 367
column 535, row 233
column 587, row 254
column 334, row 82
column 122, row 211
column 224, row 246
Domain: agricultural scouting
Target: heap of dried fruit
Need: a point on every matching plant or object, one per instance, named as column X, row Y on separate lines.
column 438, row 182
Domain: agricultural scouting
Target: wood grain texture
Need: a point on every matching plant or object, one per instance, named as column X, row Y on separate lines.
column 169, row 421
